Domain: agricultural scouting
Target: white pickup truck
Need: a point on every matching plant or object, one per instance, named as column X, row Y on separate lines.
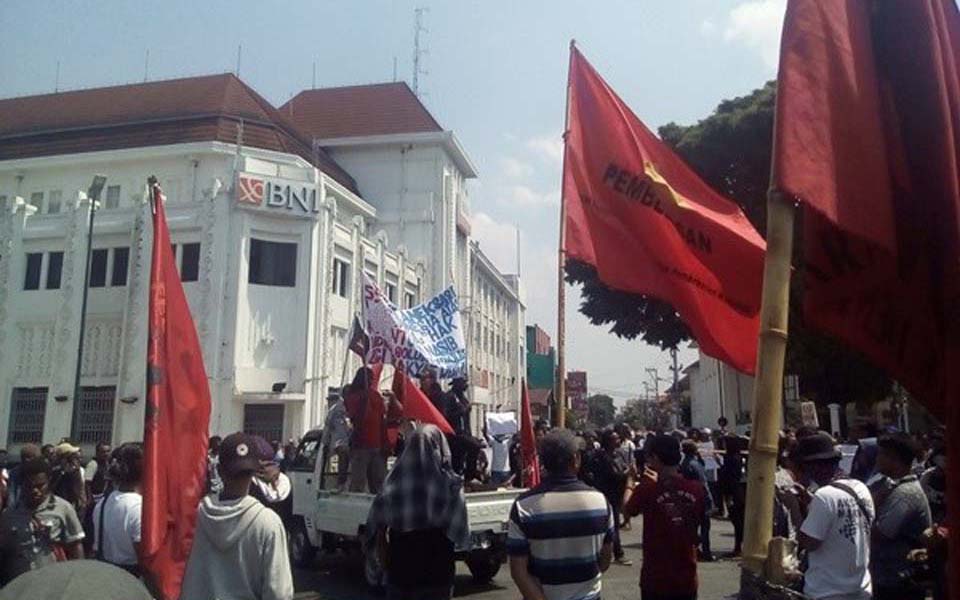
column 327, row 519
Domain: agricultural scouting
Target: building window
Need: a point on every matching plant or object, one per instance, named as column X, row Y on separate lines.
column 273, row 263
column 391, row 290
column 94, row 422
column 54, row 270
column 54, row 200
column 3, row 202
column 36, row 199
column 409, row 300
column 98, row 268
column 28, row 408
column 31, row 279
column 121, row 263
column 341, row 278
column 265, row 420
column 190, row 261
column 113, row 197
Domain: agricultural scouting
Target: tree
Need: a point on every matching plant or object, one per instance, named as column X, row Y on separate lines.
column 600, row 410
column 649, row 414
column 731, row 151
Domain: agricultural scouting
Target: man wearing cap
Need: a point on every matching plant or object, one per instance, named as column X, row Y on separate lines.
column 836, row 530
column 672, row 507
column 240, row 548
column 68, row 477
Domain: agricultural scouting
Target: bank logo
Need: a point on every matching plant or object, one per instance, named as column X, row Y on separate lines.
column 250, row 190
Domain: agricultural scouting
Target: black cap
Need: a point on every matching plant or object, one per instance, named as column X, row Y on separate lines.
column 819, row 446
column 240, row 453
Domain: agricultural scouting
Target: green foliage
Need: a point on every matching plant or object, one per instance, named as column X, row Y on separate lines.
column 731, row 151
column 600, row 410
column 648, row 414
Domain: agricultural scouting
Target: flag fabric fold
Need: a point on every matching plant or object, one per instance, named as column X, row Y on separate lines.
column 868, row 139
column 416, row 405
column 177, row 419
column 530, row 460
column 649, row 225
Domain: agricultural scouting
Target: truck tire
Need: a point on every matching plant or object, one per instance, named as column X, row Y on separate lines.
column 302, row 552
column 484, row 565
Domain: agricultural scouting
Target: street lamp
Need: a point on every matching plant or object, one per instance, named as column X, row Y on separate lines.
column 93, row 194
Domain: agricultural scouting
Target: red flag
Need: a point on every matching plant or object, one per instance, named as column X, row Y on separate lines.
column 868, row 138
column 416, row 405
column 528, row 441
column 177, row 419
column 649, row 225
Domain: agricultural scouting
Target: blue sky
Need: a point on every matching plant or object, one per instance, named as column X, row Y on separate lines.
column 496, row 76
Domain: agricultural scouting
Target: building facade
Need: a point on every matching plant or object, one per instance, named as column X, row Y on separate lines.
column 271, row 235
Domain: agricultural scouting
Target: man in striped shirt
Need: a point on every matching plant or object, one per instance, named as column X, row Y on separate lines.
column 560, row 534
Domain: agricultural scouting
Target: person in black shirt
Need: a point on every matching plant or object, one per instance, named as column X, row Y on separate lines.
column 608, row 473
column 415, row 539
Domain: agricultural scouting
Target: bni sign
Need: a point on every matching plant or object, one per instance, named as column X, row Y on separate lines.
column 296, row 197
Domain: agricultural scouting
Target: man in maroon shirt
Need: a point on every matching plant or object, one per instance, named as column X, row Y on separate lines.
column 672, row 507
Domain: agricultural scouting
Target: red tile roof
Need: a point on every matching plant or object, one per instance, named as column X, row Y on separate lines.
column 359, row 110
column 156, row 113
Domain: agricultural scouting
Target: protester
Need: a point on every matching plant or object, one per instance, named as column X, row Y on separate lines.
column 214, row 483
column 560, row 534
column 271, row 486
column 432, row 390
column 463, row 445
column 628, row 453
column 48, row 451
column 732, row 478
column 336, row 437
column 68, row 481
column 836, row 530
column 240, row 546
column 864, row 466
column 498, row 430
column 608, row 473
column 95, row 473
column 116, row 518
column 40, row 529
column 902, row 517
column 934, row 484
column 419, row 519
column 80, row 579
column 366, row 409
column 672, row 508
column 28, row 452
column 692, row 467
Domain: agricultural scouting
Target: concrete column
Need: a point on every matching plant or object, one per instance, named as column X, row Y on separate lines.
column 12, row 263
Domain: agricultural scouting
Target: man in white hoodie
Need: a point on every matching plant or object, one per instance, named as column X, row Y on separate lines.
column 240, row 546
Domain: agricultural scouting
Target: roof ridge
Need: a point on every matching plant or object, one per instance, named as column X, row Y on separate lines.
column 117, row 85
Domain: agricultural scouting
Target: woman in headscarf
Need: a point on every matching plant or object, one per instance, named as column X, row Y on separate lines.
column 419, row 519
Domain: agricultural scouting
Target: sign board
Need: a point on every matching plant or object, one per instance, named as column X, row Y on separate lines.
column 808, row 414
column 296, row 198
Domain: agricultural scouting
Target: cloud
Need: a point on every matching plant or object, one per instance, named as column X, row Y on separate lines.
column 515, row 169
column 497, row 240
column 549, row 148
column 523, row 196
column 708, row 28
column 756, row 24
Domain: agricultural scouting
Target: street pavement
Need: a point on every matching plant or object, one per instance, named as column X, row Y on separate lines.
column 335, row 577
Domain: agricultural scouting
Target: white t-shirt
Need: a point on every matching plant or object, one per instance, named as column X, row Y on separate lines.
column 840, row 566
column 122, row 516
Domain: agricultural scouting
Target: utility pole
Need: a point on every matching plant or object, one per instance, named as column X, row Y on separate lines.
column 675, row 396
column 418, row 50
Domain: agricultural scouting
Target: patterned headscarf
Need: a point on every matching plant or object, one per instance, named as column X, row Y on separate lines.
column 422, row 491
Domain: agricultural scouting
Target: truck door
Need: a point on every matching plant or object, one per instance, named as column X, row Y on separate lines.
column 302, row 474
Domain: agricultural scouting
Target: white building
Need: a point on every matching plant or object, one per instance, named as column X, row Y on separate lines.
column 718, row 390
column 271, row 237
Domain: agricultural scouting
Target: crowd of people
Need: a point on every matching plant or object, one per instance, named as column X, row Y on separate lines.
column 873, row 528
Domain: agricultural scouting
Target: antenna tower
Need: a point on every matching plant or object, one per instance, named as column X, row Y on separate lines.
column 418, row 51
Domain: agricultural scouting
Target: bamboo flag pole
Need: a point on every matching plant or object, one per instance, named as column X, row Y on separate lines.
column 560, row 416
column 768, row 390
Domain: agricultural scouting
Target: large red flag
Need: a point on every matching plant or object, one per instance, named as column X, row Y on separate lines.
column 416, row 405
column 530, row 460
column 649, row 225
column 177, row 419
column 868, row 137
